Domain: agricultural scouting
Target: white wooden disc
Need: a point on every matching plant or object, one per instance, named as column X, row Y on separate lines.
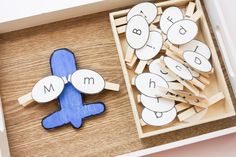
column 152, row 48
column 137, row 32
column 169, row 17
column 87, row 81
column 197, row 46
column 149, row 84
column 155, row 68
column 47, row 89
column 157, row 119
column 197, row 61
column 182, row 32
column 157, row 104
column 196, row 117
column 149, row 10
column 178, row 68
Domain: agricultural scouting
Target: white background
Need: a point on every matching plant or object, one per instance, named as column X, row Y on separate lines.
column 17, row 9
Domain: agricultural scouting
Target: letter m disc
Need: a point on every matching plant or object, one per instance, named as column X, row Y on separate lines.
column 47, row 89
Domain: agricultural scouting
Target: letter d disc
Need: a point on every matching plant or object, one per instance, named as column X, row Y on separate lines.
column 47, row 89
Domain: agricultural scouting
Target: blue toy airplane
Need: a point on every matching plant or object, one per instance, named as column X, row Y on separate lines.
column 72, row 108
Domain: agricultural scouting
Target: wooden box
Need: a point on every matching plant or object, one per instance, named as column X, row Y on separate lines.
column 221, row 110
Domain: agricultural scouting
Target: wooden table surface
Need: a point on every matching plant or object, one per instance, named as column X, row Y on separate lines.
column 24, row 59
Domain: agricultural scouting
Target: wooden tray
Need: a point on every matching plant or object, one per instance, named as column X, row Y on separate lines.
column 220, row 110
column 24, row 59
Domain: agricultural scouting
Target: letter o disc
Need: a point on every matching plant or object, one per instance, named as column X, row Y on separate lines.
column 158, row 119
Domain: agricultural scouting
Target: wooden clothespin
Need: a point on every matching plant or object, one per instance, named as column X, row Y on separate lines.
column 159, row 10
column 131, row 64
column 175, row 86
column 201, row 112
column 182, row 106
column 121, row 21
column 121, row 29
column 187, row 97
column 190, row 9
column 26, row 99
column 195, row 110
column 129, row 55
column 172, row 48
column 190, row 14
column 158, row 17
column 215, row 98
column 154, row 85
column 197, row 15
column 140, row 67
column 194, row 60
column 155, row 28
column 180, row 80
column 198, row 81
column 186, row 114
column 180, row 59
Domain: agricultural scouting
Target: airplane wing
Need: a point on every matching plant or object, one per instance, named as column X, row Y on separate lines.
column 73, row 115
column 54, row 120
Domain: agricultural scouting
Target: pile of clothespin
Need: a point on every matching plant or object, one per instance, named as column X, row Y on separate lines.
column 172, row 68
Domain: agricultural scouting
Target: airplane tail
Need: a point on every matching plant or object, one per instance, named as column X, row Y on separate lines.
column 72, row 115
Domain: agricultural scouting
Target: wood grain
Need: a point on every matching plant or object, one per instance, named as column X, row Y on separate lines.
column 24, row 59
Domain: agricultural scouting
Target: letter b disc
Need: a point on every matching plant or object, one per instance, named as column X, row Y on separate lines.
column 137, row 32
